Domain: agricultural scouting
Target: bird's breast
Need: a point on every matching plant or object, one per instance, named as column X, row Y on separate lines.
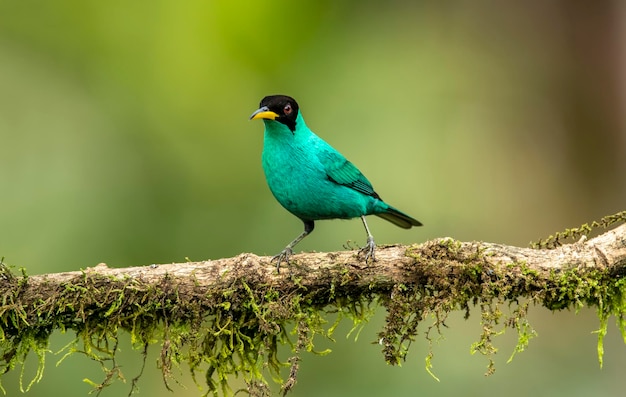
column 300, row 183
column 291, row 174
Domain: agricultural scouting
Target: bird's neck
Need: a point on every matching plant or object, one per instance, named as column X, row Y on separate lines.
column 276, row 131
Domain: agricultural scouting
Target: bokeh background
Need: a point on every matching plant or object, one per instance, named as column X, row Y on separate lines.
column 124, row 138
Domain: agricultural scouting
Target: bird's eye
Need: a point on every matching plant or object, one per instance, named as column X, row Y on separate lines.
column 287, row 109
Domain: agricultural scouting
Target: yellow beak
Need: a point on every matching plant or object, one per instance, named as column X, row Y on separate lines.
column 263, row 113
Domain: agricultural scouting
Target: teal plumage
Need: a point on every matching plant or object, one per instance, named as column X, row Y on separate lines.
column 311, row 179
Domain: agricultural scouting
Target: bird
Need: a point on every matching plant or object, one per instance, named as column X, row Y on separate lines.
column 314, row 181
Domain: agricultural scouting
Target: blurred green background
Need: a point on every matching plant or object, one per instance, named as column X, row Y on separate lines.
column 124, row 138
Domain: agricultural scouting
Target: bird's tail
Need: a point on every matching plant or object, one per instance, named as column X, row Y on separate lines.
column 399, row 218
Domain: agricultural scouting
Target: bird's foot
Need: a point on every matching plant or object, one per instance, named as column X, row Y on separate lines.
column 368, row 250
column 282, row 257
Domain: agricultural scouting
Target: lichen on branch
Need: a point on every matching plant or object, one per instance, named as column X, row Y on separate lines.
column 229, row 316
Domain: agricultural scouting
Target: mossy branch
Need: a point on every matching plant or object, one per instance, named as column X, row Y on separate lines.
column 228, row 316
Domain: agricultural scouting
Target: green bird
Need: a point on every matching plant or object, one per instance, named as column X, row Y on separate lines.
column 312, row 180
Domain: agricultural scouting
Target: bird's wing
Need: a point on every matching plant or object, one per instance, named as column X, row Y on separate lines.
column 341, row 171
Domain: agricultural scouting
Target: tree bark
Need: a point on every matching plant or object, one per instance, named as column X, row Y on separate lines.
column 394, row 264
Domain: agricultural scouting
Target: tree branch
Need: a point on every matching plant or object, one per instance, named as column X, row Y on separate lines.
column 232, row 313
column 395, row 264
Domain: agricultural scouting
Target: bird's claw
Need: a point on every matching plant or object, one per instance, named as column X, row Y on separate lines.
column 368, row 250
column 282, row 257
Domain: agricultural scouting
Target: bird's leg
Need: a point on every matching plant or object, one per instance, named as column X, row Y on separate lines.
column 368, row 250
column 288, row 251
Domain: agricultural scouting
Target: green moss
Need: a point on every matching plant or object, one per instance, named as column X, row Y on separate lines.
column 572, row 234
column 236, row 329
column 447, row 281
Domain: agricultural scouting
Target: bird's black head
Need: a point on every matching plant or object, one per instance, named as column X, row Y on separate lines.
column 279, row 108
